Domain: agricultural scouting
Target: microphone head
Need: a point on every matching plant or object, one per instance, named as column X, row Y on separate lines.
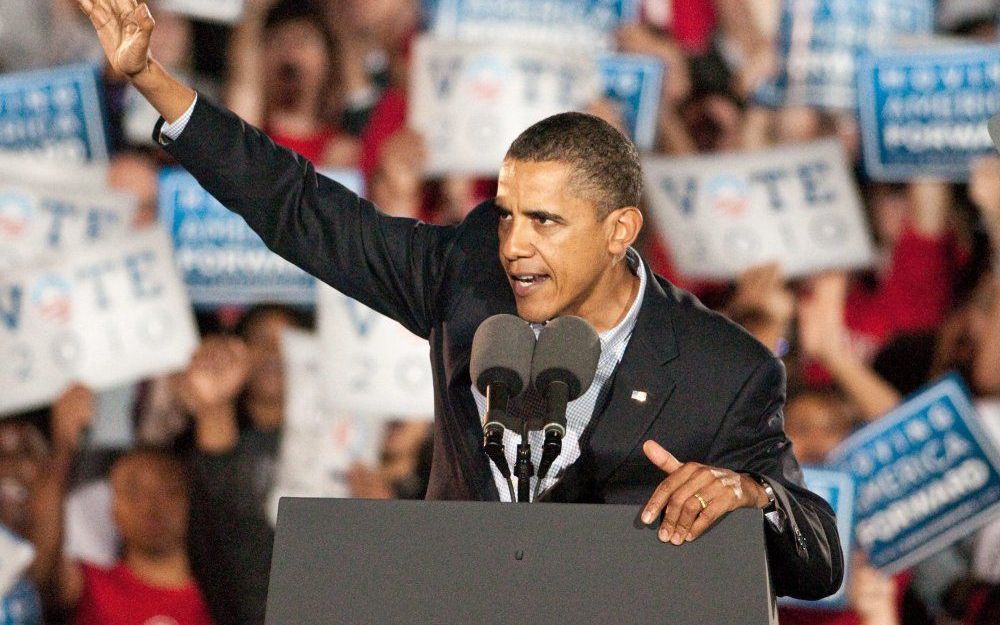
column 501, row 352
column 568, row 350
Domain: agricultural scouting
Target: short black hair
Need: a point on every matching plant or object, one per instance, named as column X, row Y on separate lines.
column 605, row 164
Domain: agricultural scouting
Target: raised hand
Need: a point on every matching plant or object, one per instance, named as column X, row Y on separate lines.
column 72, row 413
column 216, row 375
column 124, row 28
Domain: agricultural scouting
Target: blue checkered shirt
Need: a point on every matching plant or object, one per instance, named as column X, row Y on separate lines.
column 579, row 411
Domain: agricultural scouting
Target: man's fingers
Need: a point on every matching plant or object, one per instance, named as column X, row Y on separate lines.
column 707, row 518
column 660, row 456
column 658, row 500
column 683, row 506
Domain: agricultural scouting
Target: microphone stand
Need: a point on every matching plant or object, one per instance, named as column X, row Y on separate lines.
column 523, row 468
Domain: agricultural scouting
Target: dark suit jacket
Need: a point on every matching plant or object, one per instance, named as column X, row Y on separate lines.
column 715, row 395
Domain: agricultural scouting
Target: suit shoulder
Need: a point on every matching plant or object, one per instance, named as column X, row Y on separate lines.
column 712, row 336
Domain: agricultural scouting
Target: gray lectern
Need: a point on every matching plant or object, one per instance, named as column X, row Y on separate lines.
column 357, row 561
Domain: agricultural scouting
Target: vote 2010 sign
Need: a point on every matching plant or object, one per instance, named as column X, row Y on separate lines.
column 471, row 100
column 53, row 113
column 820, row 42
column 585, row 23
column 924, row 112
column 926, row 474
column 103, row 316
column 796, row 205
column 222, row 260
column 372, row 365
column 837, row 489
column 222, row 11
column 41, row 219
column 319, row 445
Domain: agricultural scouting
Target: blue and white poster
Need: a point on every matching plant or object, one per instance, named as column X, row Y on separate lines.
column 221, row 11
column 924, row 112
column 585, row 23
column 55, row 113
column 820, row 41
column 40, row 219
column 723, row 213
column 104, row 316
column 634, row 83
column 471, row 100
column 221, row 259
column 372, row 366
column 837, row 489
column 926, row 476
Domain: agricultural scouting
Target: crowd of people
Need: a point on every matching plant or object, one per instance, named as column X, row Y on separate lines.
column 177, row 523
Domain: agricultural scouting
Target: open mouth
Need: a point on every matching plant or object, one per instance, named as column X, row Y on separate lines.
column 526, row 283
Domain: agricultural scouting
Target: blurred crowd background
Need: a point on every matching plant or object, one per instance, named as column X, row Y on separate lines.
column 179, row 514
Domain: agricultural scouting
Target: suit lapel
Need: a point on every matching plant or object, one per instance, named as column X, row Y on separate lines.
column 640, row 386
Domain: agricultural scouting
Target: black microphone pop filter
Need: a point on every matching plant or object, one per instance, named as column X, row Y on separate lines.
column 567, row 351
column 501, row 353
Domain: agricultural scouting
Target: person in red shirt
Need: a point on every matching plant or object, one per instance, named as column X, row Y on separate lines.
column 152, row 583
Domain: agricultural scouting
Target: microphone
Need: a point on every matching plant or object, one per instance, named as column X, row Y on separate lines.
column 562, row 369
column 500, row 366
column 994, row 127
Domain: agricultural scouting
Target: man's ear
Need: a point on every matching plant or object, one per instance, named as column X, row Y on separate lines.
column 625, row 224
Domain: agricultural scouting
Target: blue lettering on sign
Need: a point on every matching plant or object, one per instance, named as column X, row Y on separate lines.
column 812, row 174
column 770, row 179
column 11, row 299
column 138, row 267
column 684, row 199
column 96, row 273
column 444, row 72
column 59, row 211
column 362, row 318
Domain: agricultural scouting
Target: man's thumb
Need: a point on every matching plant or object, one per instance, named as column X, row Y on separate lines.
column 660, row 456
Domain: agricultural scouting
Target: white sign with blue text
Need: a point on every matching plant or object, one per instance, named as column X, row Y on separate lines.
column 589, row 23
column 37, row 220
column 820, row 42
column 924, row 112
column 837, row 489
column 470, row 100
column 55, row 113
column 103, row 316
column 222, row 260
column 633, row 83
column 372, row 365
column 318, row 445
column 926, row 474
column 796, row 205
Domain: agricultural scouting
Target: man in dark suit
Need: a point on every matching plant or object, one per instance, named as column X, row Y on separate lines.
column 557, row 241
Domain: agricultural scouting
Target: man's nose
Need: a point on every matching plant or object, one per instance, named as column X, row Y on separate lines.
column 516, row 240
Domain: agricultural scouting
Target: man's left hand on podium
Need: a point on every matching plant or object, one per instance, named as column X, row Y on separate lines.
column 694, row 496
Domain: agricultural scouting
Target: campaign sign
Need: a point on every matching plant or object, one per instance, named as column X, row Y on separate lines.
column 221, row 11
column 796, row 205
column 372, row 365
column 926, row 475
column 53, row 113
column 103, row 316
column 633, row 82
column 589, row 23
column 37, row 170
column 36, row 220
column 924, row 112
column 837, row 489
column 318, row 445
column 471, row 100
column 222, row 260
column 820, row 41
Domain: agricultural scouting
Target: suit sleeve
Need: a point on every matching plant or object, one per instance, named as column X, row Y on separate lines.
column 803, row 547
column 390, row 264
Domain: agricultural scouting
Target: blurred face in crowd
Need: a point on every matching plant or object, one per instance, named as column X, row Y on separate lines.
column 296, row 63
column 22, row 452
column 714, row 122
column 386, row 20
column 137, row 175
column 964, row 330
column 267, row 381
column 890, row 206
column 815, row 423
column 554, row 247
column 171, row 40
column 150, row 503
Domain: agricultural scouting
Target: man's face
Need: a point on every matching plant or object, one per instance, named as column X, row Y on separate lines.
column 556, row 252
column 150, row 505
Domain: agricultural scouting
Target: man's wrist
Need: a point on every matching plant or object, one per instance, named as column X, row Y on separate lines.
column 761, row 500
